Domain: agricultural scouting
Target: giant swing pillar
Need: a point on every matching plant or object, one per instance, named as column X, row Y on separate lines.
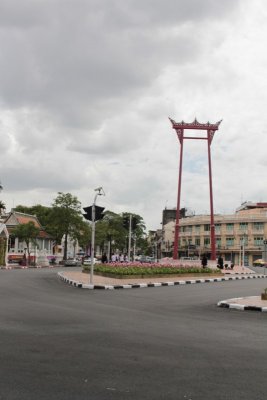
column 180, row 127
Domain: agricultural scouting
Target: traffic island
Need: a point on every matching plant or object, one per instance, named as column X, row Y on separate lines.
column 251, row 303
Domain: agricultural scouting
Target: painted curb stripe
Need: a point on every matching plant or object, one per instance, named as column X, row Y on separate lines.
column 159, row 284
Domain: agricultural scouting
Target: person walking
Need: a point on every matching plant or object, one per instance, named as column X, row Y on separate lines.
column 220, row 262
column 204, row 261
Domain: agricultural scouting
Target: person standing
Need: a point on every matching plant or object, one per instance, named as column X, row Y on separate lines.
column 104, row 258
column 204, row 261
column 220, row 262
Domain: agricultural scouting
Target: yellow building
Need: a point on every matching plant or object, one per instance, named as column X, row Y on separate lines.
column 247, row 227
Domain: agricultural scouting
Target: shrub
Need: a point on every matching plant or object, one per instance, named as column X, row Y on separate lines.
column 149, row 269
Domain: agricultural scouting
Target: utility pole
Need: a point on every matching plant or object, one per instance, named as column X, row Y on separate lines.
column 130, row 237
column 265, row 254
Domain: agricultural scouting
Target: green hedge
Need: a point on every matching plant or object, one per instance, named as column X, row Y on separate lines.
column 149, row 271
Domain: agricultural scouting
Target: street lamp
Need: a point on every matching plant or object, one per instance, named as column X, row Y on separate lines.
column 243, row 250
column 99, row 192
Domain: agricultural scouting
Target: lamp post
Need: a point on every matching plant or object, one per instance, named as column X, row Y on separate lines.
column 130, row 237
column 243, row 254
column 265, row 253
column 243, row 251
column 99, row 192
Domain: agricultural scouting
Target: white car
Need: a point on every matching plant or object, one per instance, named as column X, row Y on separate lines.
column 87, row 261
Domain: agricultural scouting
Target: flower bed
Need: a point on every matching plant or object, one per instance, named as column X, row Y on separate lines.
column 124, row 270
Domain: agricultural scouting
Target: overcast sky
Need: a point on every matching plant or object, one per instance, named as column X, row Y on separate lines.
column 87, row 86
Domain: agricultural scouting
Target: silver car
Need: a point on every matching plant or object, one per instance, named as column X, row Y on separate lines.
column 72, row 262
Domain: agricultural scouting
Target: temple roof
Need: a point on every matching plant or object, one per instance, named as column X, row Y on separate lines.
column 195, row 125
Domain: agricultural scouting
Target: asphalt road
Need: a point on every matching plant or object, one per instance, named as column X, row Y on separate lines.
column 60, row 342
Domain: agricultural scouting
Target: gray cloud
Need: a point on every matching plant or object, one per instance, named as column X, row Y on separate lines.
column 86, row 88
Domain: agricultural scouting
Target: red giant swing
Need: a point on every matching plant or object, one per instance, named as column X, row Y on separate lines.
column 180, row 127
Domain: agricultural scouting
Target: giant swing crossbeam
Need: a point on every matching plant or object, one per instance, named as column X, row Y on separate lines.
column 211, row 129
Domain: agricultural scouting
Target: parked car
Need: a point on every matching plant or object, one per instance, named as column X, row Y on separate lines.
column 146, row 259
column 72, row 262
column 259, row 263
column 87, row 261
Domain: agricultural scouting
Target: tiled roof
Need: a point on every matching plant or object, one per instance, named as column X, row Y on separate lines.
column 17, row 218
column 24, row 219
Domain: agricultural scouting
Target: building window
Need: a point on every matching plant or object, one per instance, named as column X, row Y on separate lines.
column 243, row 226
column 230, row 241
column 197, row 241
column 197, row 228
column 244, row 240
column 258, row 226
column 229, row 227
column 258, row 241
column 217, row 228
column 207, row 227
column 218, row 242
column 206, row 241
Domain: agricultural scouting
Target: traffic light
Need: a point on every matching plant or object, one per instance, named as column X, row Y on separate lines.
column 98, row 213
column 134, row 223
column 125, row 221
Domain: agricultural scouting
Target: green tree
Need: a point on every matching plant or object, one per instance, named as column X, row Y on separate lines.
column 110, row 229
column 83, row 235
column 66, row 219
column 2, row 207
column 27, row 233
column 138, row 230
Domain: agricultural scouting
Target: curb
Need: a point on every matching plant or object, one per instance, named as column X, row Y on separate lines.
column 32, row 267
column 156, row 284
column 238, row 273
column 240, row 307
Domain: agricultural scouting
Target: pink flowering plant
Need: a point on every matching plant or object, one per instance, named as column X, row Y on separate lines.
column 137, row 268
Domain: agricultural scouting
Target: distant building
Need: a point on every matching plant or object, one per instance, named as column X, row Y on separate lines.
column 169, row 214
column 16, row 248
column 248, row 227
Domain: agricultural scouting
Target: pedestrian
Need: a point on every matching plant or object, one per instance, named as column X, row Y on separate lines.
column 104, row 258
column 125, row 258
column 204, row 261
column 113, row 257
column 121, row 258
column 220, row 262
